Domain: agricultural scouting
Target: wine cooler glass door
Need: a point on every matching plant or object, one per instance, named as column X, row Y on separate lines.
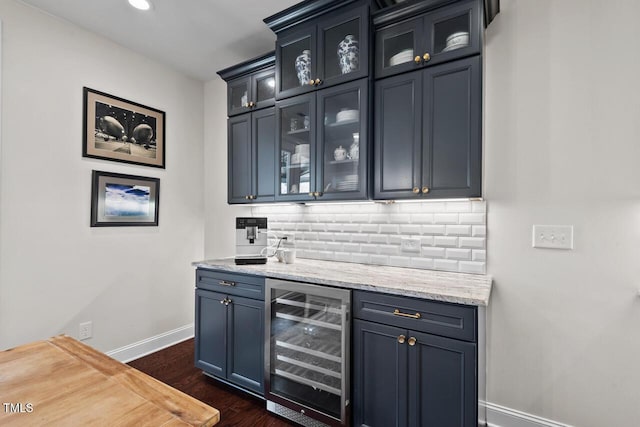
column 308, row 357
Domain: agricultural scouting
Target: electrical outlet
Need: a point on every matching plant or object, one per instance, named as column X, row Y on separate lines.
column 553, row 236
column 410, row 245
column 85, row 331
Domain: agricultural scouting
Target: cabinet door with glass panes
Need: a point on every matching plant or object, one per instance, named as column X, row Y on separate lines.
column 445, row 34
column 323, row 53
column 320, row 153
column 296, row 148
column 251, row 92
column 342, row 142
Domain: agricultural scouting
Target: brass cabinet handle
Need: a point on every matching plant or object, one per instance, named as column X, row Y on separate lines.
column 226, row 283
column 397, row 312
column 426, row 57
column 417, row 59
column 416, row 190
column 318, row 81
column 425, row 190
column 401, row 339
column 412, row 341
column 229, row 301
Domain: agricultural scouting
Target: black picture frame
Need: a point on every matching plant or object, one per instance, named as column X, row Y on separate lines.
column 119, row 200
column 120, row 130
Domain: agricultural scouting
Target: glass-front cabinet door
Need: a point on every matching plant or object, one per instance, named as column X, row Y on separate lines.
column 251, row 92
column 295, row 118
column 454, row 32
column 440, row 36
column 343, row 48
column 342, row 159
column 296, row 63
column 332, row 51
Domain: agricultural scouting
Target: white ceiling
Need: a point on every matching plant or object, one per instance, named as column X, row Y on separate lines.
column 197, row 37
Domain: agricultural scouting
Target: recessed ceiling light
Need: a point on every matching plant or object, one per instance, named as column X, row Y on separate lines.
column 140, row 4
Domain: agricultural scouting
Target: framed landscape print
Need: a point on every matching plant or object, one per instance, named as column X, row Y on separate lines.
column 122, row 131
column 124, row 200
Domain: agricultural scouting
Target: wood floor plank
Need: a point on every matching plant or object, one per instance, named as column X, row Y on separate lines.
column 175, row 367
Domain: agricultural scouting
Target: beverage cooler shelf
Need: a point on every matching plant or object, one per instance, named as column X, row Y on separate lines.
column 309, row 305
column 302, row 376
column 310, row 321
column 322, row 345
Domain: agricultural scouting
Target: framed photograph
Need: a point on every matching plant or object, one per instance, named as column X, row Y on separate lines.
column 121, row 200
column 122, row 131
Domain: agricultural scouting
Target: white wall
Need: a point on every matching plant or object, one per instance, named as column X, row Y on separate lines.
column 56, row 271
column 562, row 146
column 219, row 230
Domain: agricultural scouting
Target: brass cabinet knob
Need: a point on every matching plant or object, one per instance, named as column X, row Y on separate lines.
column 412, row 341
column 318, row 193
column 401, row 339
column 318, row 81
column 416, row 190
column 247, row 197
column 312, row 82
column 425, row 190
column 417, row 59
column 311, row 193
column 426, row 57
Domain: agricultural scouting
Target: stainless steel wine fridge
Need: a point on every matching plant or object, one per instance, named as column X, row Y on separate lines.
column 307, row 352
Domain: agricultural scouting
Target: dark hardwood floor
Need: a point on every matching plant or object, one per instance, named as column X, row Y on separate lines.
column 174, row 366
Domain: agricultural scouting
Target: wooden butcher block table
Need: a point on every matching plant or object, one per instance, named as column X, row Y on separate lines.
column 62, row 382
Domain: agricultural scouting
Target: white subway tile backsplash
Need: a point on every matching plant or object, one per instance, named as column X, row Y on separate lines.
column 458, row 230
column 472, row 218
column 445, row 264
column 410, row 229
column 478, row 255
column 472, row 267
column 479, row 230
column 433, row 229
column 389, row 228
column 471, row 242
column 447, row 241
column 422, row 218
column 452, row 234
column 430, row 252
column 369, row 228
column 445, row 218
column 459, row 206
column 399, row 261
column 342, row 237
column 424, row 263
column 388, row 249
column 426, row 240
column 462, row 254
column 378, row 238
column 361, row 258
column 379, row 259
column 369, row 248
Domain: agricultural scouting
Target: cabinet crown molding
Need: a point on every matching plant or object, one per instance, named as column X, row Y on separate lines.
column 400, row 11
column 252, row 65
column 301, row 12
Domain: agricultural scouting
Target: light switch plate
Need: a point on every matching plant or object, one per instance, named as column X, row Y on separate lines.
column 553, row 236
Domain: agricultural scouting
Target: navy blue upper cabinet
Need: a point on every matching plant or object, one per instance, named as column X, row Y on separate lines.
column 251, row 130
column 319, row 152
column 250, row 85
column 428, row 134
column 409, row 43
column 321, row 49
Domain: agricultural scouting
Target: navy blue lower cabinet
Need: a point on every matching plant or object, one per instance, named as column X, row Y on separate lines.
column 380, row 388
column 442, row 381
column 229, row 338
column 403, row 377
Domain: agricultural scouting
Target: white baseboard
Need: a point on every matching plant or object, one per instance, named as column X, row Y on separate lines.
column 501, row 416
column 150, row 345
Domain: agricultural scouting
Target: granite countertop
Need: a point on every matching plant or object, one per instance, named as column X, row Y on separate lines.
column 461, row 288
